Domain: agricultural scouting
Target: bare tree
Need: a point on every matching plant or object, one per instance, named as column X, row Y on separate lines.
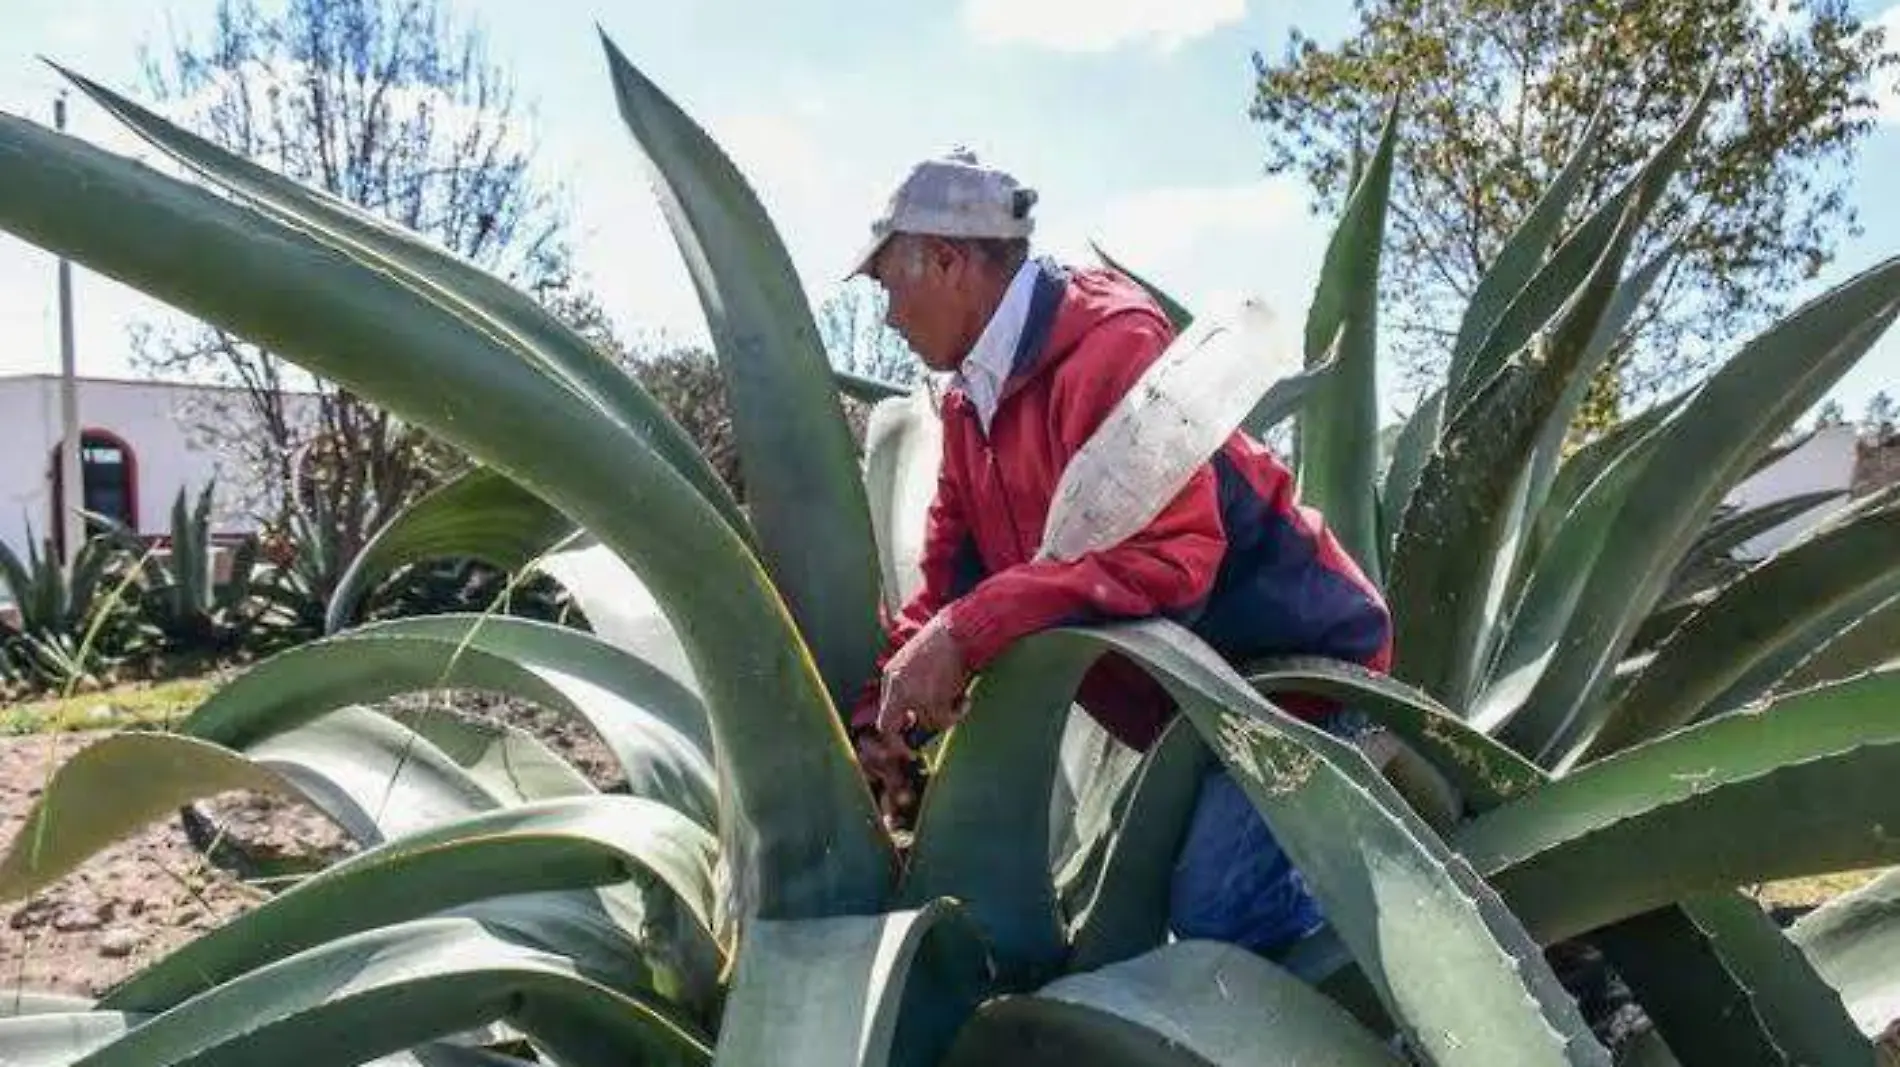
column 851, row 325
column 392, row 106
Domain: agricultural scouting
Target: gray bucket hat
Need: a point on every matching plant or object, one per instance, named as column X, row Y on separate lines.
column 952, row 195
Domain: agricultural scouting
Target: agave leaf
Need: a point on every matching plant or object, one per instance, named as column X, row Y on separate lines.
column 804, row 836
column 18, row 1002
column 385, row 990
column 1709, row 565
column 1177, row 314
column 58, row 1039
column 1835, row 576
column 903, row 445
column 116, row 785
column 1544, row 607
column 1623, row 306
column 1338, row 437
column 1184, row 407
column 1191, row 1003
column 653, row 726
column 1587, row 464
column 508, row 762
column 1791, row 790
column 1094, row 785
column 867, row 390
column 1738, row 411
column 1458, row 546
column 479, row 515
column 446, row 277
column 1484, row 772
column 620, row 608
column 372, row 776
column 573, row 843
column 1284, row 399
column 1126, row 915
column 1727, row 987
column 1349, row 832
column 885, row 990
column 1871, row 641
column 1417, row 438
column 803, row 492
column 1519, row 260
column 1853, row 941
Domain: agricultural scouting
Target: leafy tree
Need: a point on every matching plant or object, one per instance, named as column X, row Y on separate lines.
column 392, row 106
column 1831, row 414
column 1880, row 415
column 1496, row 94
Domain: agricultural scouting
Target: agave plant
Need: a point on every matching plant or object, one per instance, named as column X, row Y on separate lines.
column 72, row 623
column 181, row 600
column 741, row 903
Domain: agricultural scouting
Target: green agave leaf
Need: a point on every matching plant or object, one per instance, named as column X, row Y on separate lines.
column 1871, row 641
column 1126, row 915
column 803, row 492
column 1355, row 839
column 1847, row 570
column 1163, row 430
column 1191, row 1003
column 372, row 776
column 1737, row 412
column 1094, row 784
column 1544, row 608
column 444, row 277
column 1462, row 533
column 867, row 390
column 564, row 844
column 1338, row 437
column 479, row 515
column 506, row 761
column 18, row 1002
column 1587, row 464
column 903, row 444
column 1854, row 941
column 854, row 991
column 1725, row 535
column 1629, row 297
column 57, row 1039
column 1177, row 314
column 385, row 990
column 1285, row 398
column 653, row 726
column 1784, row 791
column 1518, row 260
column 1417, row 438
column 804, row 835
column 1724, row 984
column 620, row 609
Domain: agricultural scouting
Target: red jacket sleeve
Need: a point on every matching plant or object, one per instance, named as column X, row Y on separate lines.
column 1169, row 565
column 946, row 533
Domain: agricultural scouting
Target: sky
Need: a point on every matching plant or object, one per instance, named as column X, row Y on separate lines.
column 1128, row 116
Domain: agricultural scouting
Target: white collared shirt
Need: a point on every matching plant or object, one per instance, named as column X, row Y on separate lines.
column 986, row 368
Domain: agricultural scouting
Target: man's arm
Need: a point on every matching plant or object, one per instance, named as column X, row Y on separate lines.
column 1169, row 566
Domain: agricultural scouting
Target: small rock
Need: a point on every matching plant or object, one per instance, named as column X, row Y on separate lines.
column 118, row 943
column 136, row 907
column 77, row 920
column 187, row 916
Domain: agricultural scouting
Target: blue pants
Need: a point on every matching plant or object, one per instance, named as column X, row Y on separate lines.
column 1232, row 882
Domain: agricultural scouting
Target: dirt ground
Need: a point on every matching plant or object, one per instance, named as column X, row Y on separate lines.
column 143, row 897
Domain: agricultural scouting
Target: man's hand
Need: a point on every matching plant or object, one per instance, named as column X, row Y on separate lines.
column 924, row 682
column 887, row 760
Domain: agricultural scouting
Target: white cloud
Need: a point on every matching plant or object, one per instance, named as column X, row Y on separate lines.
column 1889, row 93
column 1097, row 25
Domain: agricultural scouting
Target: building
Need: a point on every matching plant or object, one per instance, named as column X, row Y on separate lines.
column 137, row 451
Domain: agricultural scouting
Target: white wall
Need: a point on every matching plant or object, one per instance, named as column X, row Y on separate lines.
column 147, row 416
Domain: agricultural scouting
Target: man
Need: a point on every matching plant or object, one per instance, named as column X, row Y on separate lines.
column 1039, row 354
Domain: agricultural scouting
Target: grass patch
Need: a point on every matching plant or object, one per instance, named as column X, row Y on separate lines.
column 133, row 704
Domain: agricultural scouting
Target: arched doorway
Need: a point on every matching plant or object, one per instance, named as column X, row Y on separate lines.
column 109, row 471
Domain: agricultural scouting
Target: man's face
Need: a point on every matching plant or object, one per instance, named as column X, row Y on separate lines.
column 933, row 290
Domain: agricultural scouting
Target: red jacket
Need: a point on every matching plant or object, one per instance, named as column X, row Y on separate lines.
column 1234, row 557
